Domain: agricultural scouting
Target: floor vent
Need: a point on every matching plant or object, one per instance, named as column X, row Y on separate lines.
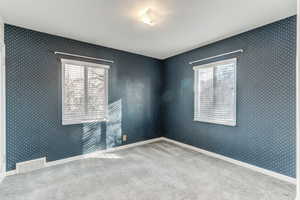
column 28, row 166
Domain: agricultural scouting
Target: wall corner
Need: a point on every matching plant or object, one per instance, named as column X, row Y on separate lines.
column 1, row 30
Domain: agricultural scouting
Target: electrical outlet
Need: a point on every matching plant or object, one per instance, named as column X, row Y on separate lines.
column 124, row 138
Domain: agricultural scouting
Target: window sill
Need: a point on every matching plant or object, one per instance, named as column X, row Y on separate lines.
column 232, row 124
column 83, row 122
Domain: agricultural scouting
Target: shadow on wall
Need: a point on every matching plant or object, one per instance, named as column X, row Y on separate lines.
column 103, row 135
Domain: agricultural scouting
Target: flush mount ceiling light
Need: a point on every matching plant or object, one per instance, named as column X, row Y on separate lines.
column 148, row 17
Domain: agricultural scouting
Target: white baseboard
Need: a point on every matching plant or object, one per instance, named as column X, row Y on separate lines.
column 208, row 153
column 97, row 153
column 236, row 162
column 11, row 173
column 2, row 176
column 89, row 155
column 31, row 165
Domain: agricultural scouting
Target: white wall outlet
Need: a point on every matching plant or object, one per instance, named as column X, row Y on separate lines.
column 124, row 137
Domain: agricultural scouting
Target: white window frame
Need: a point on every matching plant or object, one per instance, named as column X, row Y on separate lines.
column 2, row 111
column 65, row 62
column 196, row 96
column 2, row 103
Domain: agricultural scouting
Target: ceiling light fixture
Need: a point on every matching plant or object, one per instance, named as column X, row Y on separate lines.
column 148, row 17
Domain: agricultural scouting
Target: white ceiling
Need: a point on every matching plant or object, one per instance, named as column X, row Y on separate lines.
column 182, row 24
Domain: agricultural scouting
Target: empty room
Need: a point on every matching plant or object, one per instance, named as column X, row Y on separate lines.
column 149, row 100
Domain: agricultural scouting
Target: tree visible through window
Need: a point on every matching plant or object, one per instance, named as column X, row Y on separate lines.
column 215, row 92
column 84, row 92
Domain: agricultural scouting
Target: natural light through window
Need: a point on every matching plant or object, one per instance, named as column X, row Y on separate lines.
column 215, row 92
column 84, row 92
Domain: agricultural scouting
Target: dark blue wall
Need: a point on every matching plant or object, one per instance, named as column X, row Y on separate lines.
column 157, row 98
column 265, row 131
column 34, row 127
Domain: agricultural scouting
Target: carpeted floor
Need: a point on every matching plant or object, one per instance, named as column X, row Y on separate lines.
column 158, row 171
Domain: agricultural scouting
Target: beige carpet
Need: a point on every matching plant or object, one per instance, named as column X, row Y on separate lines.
column 150, row 172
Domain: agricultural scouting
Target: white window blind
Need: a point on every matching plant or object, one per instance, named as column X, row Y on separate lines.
column 215, row 92
column 84, row 91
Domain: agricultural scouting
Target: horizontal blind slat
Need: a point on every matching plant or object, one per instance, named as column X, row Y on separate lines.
column 215, row 92
column 84, row 94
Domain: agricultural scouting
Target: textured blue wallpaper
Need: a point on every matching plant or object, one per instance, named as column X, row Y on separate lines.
column 150, row 98
column 34, row 127
column 265, row 131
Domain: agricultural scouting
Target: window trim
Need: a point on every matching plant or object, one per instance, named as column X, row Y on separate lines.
column 64, row 62
column 209, row 65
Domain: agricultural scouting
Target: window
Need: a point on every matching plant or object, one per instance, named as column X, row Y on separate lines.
column 215, row 92
column 84, row 91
